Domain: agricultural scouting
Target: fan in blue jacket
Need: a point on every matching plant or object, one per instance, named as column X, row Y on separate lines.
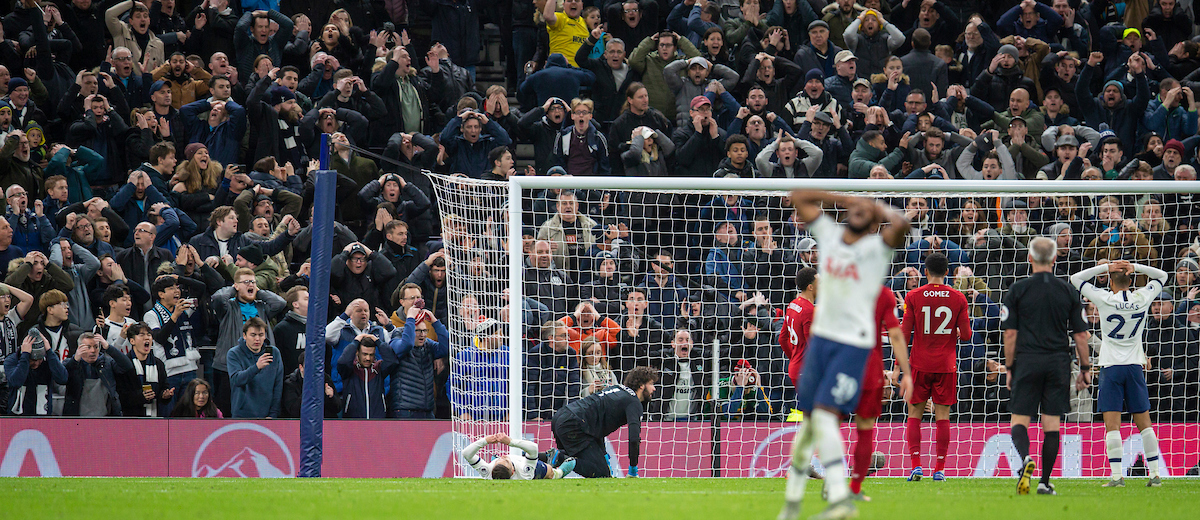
column 413, row 390
column 221, row 129
column 364, row 370
column 255, row 373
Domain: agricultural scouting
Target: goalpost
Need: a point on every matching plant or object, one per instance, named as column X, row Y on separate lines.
column 732, row 252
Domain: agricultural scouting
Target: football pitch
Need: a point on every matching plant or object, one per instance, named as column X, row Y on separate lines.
column 571, row 499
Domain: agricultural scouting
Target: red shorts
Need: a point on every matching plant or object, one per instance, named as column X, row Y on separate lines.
column 942, row 386
column 870, row 404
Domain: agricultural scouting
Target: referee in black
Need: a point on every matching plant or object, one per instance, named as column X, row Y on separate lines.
column 581, row 426
column 1039, row 313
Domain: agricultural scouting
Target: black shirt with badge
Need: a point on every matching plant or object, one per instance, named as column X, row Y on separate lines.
column 1044, row 310
column 606, row 411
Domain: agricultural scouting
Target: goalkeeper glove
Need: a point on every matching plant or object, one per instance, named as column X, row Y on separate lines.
column 633, row 471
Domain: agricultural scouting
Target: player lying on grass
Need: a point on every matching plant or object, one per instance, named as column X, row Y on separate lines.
column 517, row 467
column 1122, row 358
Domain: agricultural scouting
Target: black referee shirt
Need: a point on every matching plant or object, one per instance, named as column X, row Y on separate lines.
column 1043, row 310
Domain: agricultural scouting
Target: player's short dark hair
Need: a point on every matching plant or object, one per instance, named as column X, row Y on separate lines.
column 805, row 278
column 639, row 377
column 1120, row 279
column 501, row 472
column 937, row 264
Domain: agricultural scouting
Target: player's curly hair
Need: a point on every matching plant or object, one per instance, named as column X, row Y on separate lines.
column 641, row 376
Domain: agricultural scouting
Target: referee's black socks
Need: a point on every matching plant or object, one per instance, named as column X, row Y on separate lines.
column 1020, row 439
column 1049, row 453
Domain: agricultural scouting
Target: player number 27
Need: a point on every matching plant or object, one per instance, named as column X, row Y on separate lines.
column 1116, row 332
column 938, row 313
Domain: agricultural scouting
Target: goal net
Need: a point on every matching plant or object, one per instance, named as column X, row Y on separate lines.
column 692, row 277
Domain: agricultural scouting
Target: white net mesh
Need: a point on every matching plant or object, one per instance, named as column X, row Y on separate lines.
column 695, row 283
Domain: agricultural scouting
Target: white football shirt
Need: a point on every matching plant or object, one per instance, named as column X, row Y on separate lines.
column 851, row 277
column 1122, row 315
column 523, row 463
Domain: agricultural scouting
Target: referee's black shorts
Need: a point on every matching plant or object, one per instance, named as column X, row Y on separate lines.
column 1041, row 385
column 591, row 459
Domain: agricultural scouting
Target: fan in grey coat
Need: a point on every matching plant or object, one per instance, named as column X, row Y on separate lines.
column 925, row 71
column 700, row 72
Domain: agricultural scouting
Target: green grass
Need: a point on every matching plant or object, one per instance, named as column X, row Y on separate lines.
column 650, row 499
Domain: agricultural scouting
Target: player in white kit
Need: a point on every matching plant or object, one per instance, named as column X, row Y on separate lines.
column 853, row 264
column 1122, row 358
column 525, row 466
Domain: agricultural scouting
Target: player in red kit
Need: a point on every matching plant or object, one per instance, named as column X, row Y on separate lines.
column 933, row 313
column 793, row 337
column 870, row 405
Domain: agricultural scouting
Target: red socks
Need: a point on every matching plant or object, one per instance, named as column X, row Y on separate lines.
column 943, row 443
column 914, row 440
column 863, row 449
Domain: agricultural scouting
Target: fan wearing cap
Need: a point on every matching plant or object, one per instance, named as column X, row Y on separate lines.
column 1111, row 107
column 1003, row 75
column 1173, row 114
column 700, row 74
column 32, row 376
column 841, row 84
column 818, row 52
column 274, row 117
column 358, row 272
column 699, row 144
column 24, row 109
column 812, row 94
column 829, row 134
column 1066, row 164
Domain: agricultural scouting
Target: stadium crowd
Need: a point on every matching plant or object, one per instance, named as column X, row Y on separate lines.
column 157, row 157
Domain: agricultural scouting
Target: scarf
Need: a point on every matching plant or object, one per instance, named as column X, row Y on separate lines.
column 147, row 373
column 295, row 316
column 8, row 336
column 181, row 338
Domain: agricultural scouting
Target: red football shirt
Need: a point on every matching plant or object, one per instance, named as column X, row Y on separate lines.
column 885, row 315
column 797, row 324
column 932, row 314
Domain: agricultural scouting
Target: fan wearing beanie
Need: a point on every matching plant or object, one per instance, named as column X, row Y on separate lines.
column 275, row 116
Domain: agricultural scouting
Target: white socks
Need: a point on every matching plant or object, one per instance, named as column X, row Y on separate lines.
column 830, row 448
column 802, row 451
column 1112, row 441
column 1150, row 448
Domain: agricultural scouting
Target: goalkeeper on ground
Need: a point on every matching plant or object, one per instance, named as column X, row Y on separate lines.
column 517, row 467
column 581, row 426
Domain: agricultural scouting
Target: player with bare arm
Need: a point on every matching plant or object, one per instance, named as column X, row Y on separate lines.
column 853, row 264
